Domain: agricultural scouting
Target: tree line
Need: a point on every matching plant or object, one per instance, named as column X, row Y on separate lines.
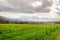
column 2, row 21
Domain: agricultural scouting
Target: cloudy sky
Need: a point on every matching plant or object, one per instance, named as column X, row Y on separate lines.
column 25, row 5
column 28, row 6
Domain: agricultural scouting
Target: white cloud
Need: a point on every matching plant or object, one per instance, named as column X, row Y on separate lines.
column 4, row 2
column 7, row 3
column 36, row 4
column 24, row 4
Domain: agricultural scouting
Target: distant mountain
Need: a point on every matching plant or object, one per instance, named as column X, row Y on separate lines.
column 9, row 20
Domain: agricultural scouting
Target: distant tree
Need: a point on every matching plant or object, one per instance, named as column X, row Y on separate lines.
column 2, row 21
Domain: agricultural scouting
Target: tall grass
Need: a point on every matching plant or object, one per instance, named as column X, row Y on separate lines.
column 28, row 31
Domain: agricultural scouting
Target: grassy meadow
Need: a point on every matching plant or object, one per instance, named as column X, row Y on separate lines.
column 29, row 31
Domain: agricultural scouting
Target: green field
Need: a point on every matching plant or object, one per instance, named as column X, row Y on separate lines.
column 29, row 31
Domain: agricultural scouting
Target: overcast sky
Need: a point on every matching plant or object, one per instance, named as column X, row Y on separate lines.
column 27, row 6
column 24, row 5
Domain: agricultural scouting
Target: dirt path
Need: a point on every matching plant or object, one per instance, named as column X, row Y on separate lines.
column 56, row 34
column 58, row 38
